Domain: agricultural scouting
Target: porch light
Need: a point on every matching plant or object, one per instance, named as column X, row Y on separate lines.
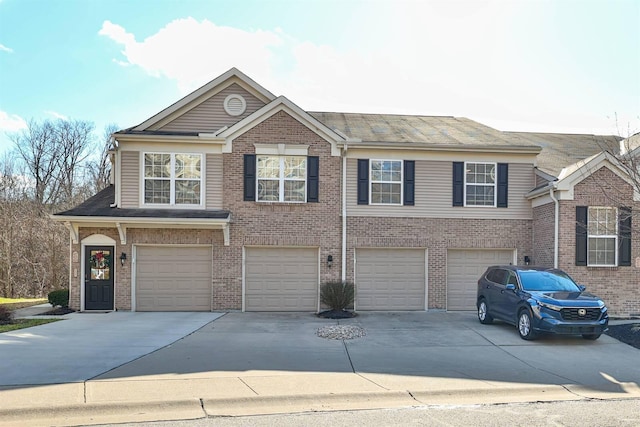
column 123, row 258
column 329, row 261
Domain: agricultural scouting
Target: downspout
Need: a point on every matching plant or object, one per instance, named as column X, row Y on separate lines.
column 344, row 212
column 556, row 228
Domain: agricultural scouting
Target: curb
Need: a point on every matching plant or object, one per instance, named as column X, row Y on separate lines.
column 195, row 408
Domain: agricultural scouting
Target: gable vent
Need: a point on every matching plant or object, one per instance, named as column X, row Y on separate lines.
column 235, row 105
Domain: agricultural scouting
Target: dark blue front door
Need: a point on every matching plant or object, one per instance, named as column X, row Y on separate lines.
column 98, row 278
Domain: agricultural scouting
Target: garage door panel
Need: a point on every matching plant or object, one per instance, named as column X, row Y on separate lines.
column 281, row 279
column 172, row 278
column 464, row 268
column 390, row 279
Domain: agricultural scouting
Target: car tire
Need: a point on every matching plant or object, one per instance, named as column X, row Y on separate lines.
column 591, row 337
column 483, row 312
column 525, row 329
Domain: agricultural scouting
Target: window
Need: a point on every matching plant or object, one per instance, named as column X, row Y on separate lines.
column 602, row 240
column 282, row 178
column 480, row 184
column 172, row 179
column 386, row 182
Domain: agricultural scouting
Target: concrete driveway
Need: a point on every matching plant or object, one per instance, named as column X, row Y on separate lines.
column 426, row 348
column 88, row 344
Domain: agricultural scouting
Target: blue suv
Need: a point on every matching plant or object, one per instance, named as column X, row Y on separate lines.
column 539, row 300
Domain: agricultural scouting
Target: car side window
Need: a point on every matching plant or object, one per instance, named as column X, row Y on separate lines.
column 512, row 279
column 496, row 276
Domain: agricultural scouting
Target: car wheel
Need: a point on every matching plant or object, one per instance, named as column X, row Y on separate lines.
column 591, row 337
column 483, row 313
column 524, row 326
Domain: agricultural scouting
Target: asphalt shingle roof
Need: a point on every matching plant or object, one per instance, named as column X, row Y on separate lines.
column 100, row 205
column 561, row 150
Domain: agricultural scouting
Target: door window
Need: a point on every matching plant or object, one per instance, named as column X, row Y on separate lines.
column 99, row 263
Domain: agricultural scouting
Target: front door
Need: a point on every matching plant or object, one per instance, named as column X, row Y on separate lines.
column 98, row 278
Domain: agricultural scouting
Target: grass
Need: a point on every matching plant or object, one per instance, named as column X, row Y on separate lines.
column 16, row 303
column 24, row 323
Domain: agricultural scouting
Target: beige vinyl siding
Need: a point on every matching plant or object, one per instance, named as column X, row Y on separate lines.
column 210, row 116
column 130, row 179
column 213, row 178
column 433, row 194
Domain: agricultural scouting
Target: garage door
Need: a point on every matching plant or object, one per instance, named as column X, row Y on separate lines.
column 390, row 279
column 173, row 278
column 464, row 268
column 281, row 279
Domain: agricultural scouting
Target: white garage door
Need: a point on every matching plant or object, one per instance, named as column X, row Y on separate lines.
column 173, row 278
column 464, row 268
column 390, row 279
column 281, row 279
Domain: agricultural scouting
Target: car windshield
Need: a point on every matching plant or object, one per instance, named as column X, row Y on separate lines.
column 547, row 281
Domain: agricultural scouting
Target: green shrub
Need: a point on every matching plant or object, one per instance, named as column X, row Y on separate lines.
column 6, row 315
column 337, row 295
column 59, row 298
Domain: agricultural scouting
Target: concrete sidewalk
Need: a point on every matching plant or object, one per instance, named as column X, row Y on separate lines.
column 256, row 363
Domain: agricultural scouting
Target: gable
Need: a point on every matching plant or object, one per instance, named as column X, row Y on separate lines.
column 210, row 115
column 197, row 97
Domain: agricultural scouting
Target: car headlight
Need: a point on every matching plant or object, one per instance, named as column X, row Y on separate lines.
column 550, row 306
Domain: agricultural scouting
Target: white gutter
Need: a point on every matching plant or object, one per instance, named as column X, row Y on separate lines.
column 556, row 227
column 344, row 212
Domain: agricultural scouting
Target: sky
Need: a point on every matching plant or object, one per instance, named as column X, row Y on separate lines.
column 564, row 66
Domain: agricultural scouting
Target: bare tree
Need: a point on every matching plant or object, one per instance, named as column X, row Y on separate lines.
column 100, row 169
column 52, row 154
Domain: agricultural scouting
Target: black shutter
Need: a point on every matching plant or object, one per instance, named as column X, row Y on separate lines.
column 624, row 236
column 503, row 187
column 250, row 177
column 313, row 171
column 409, row 182
column 363, row 181
column 581, row 235
column 458, row 183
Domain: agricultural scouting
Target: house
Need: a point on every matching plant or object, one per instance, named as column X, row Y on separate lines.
column 233, row 198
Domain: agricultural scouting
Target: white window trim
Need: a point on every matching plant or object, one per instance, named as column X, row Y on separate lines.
column 371, row 182
column 495, row 185
column 604, row 236
column 172, row 204
column 281, row 180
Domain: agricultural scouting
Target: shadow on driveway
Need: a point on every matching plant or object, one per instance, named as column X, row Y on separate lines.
column 425, row 345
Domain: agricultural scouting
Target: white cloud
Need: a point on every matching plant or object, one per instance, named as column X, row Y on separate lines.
column 192, row 52
column 5, row 48
column 11, row 122
column 422, row 58
column 57, row 115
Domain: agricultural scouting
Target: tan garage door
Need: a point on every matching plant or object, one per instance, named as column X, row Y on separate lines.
column 281, row 279
column 173, row 278
column 390, row 279
column 464, row 268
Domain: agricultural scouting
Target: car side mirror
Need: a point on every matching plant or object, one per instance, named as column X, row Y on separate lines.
column 511, row 287
column 582, row 288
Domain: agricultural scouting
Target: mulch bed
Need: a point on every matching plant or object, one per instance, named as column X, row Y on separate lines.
column 337, row 314
column 58, row 311
column 628, row 333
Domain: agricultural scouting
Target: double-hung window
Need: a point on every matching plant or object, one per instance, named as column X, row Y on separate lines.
column 480, row 184
column 172, row 179
column 386, row 182
column 281, row 178
column 602, row 232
